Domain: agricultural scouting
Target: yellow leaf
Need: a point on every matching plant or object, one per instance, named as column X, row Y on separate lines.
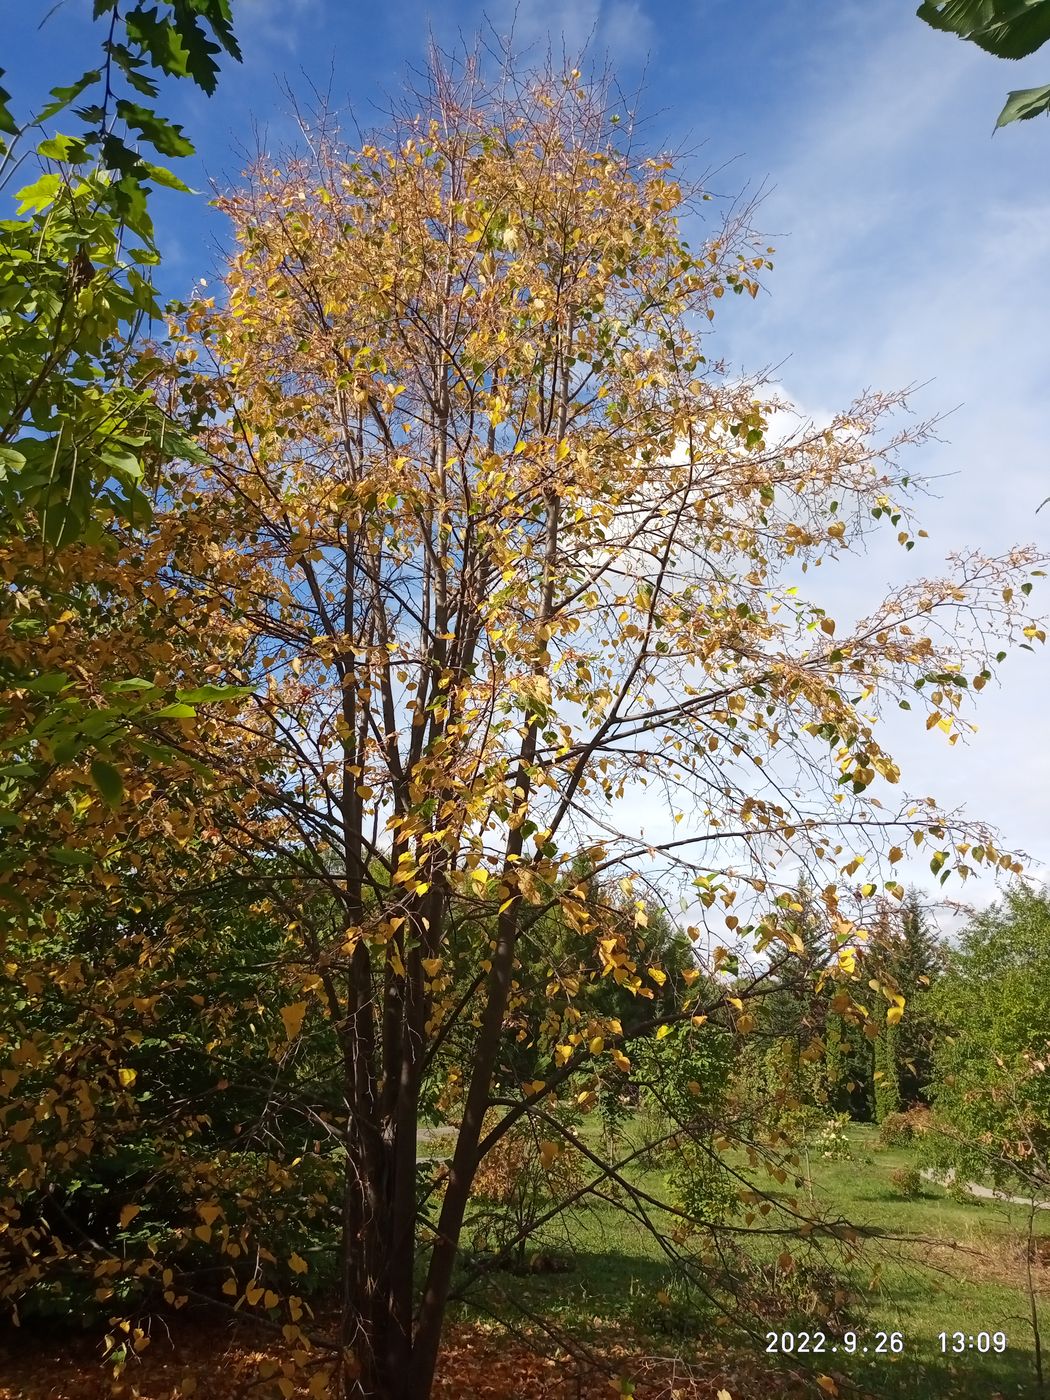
column 621, row 1061
column 209, row 1213
column 658, row 975
column 431, row 966
column 827, row 1385
column 293, row 1017
column 127, row 1077
column 894, row 1014
column 549, row 1151
column 663, row 1032
column 127, row 1215
column 297, row 1264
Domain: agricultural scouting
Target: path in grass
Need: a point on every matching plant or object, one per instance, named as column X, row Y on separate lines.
column 984, row 1193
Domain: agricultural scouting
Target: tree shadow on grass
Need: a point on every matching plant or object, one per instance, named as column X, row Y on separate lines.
column 610, row 1293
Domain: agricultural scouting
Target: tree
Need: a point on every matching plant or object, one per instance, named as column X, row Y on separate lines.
column 991, row 1088
column 849, row 1068
column 886, row 1076
column 82, row 435
column 914, row 964
column 505, row 554
column 991, row 1085
column 1006, row 28
column 78, row 422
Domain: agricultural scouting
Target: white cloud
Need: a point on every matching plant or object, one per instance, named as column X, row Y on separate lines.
column 618, row 29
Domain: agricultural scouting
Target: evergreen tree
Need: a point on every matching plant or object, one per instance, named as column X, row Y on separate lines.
column 848, row 1069
column 907, row 955
column 887, row 1080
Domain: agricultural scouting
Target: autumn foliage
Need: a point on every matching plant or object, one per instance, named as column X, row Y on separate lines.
column 500, row 555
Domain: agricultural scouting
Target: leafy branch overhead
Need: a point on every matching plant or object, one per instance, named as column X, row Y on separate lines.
column 1006, row 28
column 78, row 421
column 82, row 433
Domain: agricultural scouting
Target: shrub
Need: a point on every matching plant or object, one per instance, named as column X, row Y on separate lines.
column 896, row 1130
column 678, row 1309
column 832, row 1140
column 906, row 1182
column 956, row 1190
column 518, row 1182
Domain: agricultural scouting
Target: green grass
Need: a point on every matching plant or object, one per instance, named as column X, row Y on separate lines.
column 925, row 1290
column 967, row 1274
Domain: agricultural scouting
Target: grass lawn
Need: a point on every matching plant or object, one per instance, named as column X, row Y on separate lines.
column 950, row 1266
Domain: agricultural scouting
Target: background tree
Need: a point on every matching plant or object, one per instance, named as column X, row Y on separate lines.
column 914, row 961
column 886, row 1077
column 849, row 1068
column 991, row 1086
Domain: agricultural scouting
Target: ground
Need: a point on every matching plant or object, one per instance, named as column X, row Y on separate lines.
column 962, row 1269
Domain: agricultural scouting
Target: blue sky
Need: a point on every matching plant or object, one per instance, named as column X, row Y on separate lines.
column 913, row 247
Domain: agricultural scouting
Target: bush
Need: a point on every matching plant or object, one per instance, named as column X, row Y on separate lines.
column 956, row 1190
column 677, row 1310
column 896, row 1130
column 518, row 1182
column 832, row 1140
column 907, row 1182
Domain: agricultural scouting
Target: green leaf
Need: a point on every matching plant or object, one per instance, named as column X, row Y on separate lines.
column 160, row 176
column 70, row 149
column 162, row 135
column 48, row 684
column 1006, row 28
column 63, row 96
column 108, row 781
column 38, row 195
column 133, row 683
column 200, row 51
column 7, row 121
column 65, row 856
column 10, row 460
column 130, row 200
column 1024, row 103
column 203, row 693
column 160, row 40
column 174, row 712
column 123, row 464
